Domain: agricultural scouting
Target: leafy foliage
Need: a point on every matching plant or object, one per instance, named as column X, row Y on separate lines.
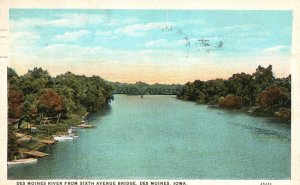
column 49, row 102
column 36, row 93
column 243, row 90
column 274, row 96
column 12, row 148
column 231, row 101
column 15, row 103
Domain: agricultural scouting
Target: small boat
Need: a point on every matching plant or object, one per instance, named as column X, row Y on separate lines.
column 72, row 130
column 73, row 135
column 63, row 137
column 22, row 161
column 85, row 126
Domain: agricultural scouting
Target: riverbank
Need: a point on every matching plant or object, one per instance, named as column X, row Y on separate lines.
column 259, row 93
column 31, row 142
column 282, row 115
column 45, row 105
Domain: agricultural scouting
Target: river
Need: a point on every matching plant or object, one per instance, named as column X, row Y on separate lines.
column 160, row 137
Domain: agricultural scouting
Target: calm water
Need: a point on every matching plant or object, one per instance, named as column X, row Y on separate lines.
column 162, row 137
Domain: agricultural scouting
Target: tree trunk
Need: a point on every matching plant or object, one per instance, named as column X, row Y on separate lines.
column 41, row 118
column 19, row 123
column 58, row 116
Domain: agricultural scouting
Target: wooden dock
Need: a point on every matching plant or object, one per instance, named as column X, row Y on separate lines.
column 35, row 153
column 24, row 139
column 22, row 161
column 47, row 141
column 20, row 135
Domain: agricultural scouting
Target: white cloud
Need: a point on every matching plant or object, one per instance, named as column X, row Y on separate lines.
column 58, row 52
column 237, row 30
column 169, row 43
column 192, row 22
column 70, row 36
column 249, row 34
column 77, row 20
column 130, row 20
column 207, row 31
column 72, row 20
column 279, row 48
column 25, row 22
column 165, row 43
column 157, row 43
column 67, row 51
column 23, row 42
column 240, row 27
column 118, row 22
column 140, row 29
column 24, row 37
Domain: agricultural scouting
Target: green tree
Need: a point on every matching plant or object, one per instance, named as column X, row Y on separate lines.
column 15, row 103
column 30, row 108
column 34, row 80
column 263, row 78
column 12, row 147
column 12, row 78
column 49, row 103
column 242, row 85
column 214, row 89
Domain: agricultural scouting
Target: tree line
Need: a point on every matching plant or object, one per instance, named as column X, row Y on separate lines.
column 52, row 104
column 260, row 93
column 142, row 85
column 36, row 94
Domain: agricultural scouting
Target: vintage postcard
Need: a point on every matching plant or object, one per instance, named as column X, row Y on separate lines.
column 148, row 93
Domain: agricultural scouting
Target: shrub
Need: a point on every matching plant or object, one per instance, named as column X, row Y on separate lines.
column 274, row 96
column 231, row 101
column 283, row 113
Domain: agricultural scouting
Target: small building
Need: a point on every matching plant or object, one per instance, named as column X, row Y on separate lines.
column 13, row 121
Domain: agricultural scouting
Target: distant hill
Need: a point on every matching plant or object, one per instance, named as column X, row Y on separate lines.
column 143, row 85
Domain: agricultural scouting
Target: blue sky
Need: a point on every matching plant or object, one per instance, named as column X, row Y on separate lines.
column 165, row 46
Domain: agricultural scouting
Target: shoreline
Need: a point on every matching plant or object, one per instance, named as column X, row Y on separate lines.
column 39, row 140
column 248, row 110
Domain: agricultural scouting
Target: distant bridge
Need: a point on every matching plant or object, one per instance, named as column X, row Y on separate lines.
column 150, row 91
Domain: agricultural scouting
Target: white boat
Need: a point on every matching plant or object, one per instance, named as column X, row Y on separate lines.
column 73, row 135
column 63, row 137
column 72, row 130
column 85, row 125
column 22, row 161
